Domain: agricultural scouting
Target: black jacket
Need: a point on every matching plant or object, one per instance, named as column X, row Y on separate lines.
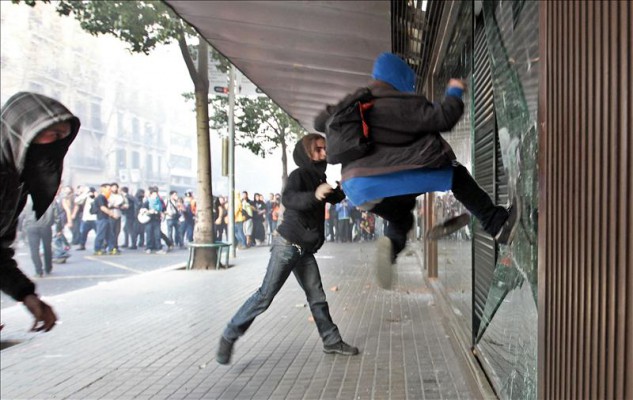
column 304, row 215
column 24, row 116
column 405, row 131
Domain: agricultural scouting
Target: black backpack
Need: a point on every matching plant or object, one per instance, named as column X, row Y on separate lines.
column 347, row 131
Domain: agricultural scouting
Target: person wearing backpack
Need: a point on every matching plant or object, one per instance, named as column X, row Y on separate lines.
column 405, row 156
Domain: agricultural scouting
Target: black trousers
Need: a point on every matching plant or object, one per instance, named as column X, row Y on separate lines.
column 397, row 210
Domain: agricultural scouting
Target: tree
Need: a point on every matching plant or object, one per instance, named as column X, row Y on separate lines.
column 143, row 25
column 263, row 127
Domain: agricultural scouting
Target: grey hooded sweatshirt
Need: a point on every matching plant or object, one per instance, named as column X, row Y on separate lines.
column 27, row 168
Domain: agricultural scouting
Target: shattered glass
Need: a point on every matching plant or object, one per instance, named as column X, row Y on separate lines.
column 506, row 339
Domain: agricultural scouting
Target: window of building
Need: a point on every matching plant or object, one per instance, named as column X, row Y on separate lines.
column 136, row 159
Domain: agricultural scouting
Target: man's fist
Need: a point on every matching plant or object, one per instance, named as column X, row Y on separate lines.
column 458, row 83
column 322, row 191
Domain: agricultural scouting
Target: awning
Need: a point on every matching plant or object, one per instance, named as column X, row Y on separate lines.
column 302, row 54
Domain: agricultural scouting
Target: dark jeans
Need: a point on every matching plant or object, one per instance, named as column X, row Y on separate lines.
column 286, row 258
column 76, row 229
column 86, row 227
column 221, row 232
column 344, row 230
column 397, row 210
column 152, row 233
column 138, row 238
column 104, row 241
column 187, row 231
column 129, row 231
column 45, row 236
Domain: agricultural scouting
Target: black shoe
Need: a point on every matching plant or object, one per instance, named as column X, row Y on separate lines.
column 508, row 230
column 224, row 351
column 132, row 248
column 81, row 248
column 448, row 227
column 340, row 348
column 383, row 262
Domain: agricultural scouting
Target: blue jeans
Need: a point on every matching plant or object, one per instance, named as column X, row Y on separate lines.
column 86, row 227
column 286, row 258
column 173, row 231
column 239, row 233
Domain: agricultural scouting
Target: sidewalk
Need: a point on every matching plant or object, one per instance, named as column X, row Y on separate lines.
column 154, row 336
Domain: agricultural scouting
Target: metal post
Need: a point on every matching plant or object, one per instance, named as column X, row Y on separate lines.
column 231, row 116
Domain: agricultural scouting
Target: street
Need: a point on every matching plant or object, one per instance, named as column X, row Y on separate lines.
column 83, row 269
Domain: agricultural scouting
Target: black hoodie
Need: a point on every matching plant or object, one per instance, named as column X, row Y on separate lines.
column 27, row 168
column 304, row 215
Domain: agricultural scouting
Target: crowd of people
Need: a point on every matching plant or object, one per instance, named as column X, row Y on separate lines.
column 158, row 224
column 117, row 218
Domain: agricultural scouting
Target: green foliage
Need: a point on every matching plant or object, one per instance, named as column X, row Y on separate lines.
column 141, row 24
column 261, row 125
column 264, row 126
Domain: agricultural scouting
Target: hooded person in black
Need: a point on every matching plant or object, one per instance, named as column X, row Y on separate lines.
column 298, row 237
column 36, row 134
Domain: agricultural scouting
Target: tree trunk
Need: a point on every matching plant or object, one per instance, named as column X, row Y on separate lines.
column 204, row 258
column 284, row 163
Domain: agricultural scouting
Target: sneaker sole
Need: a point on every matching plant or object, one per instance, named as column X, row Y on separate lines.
column 343, row 353
column 448, row 227
column 382, row 263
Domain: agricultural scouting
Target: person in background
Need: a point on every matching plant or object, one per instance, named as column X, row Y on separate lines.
column 138, row 239
column 219, row 211
column 190, row 216
column 77, row 214
column 172, row 219
column 88, row 219
column 129, row 219
column 117, row 203
column 104, row 242
column 152, row 229
column 36, row 134
column 39, row 233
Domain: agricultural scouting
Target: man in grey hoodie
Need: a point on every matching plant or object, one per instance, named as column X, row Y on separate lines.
column 36, row 134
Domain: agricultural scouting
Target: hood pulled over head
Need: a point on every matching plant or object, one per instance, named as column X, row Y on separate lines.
column 38, row 166
column 302, row 158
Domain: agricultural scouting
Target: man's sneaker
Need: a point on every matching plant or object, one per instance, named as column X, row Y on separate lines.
column 340, row 348
column 224, row 351
column 99, row 253
column 509, row 228
column 115, row 252
column 161, row 251
column 383, row 262
column 81, row 247
column 148, row 251
column 448, row 227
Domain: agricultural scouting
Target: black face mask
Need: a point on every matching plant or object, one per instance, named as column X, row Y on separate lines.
column 321, row 166
column 43, row 173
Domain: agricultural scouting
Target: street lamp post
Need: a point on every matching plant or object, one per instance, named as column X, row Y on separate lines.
column 231, row 115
